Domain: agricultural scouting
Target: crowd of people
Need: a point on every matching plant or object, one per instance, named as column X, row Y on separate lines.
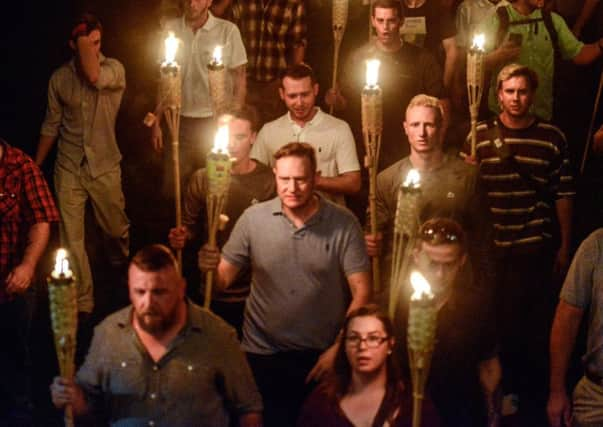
column 297, row 333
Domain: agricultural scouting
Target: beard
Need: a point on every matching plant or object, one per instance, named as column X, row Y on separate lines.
column 154, row 323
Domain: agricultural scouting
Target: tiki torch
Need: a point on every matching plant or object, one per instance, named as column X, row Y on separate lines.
column 170, row 90
column 406, row 225
column 62, row 295
column 422, row 316
column 219, row 164
column 372, row 125
column 216, row 73
column 340, row 19
column 475, row 83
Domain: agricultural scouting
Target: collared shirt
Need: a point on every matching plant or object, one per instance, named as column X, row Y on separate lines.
column 202, row 375
column 270, row 29
column 299, row 289
column 331, row 138
column 83, row 116
column 195, row 53
column 25, row 200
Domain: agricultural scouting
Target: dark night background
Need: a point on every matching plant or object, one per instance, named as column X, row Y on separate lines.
column 33, row 44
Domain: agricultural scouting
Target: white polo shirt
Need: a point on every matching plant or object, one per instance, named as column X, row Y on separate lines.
column 331, row 138
column 195, row 52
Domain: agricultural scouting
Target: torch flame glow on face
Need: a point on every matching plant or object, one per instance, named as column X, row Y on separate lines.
column 217, row 55
column 171, row 47
column 372, row 72
column 413, row 179
column 478, row 42
column 61, row 264
column 221, row 140
column 420, row 287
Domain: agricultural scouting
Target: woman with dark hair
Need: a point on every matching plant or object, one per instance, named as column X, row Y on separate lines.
column 365, row 389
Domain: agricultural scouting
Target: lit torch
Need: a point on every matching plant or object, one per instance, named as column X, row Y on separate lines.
column 406, row 226
column 216, row 73
column 372, row 125
column 62, row 295
column 475, row 83
column 219, row 164
column 170, row 101
column 422, row 316
column 340, row 20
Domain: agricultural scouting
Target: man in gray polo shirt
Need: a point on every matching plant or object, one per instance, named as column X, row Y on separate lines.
column 309, row 267
column 582, row 294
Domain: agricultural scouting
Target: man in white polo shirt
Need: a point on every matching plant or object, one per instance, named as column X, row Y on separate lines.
column 199, row 33
column 338, row 167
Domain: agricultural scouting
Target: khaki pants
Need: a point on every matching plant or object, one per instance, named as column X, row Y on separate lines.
column 108, row 205
column 588, row 404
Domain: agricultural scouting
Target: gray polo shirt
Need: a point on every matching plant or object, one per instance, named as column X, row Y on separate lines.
column 83, row 116
column 202, row 376
column 299, row 289
column 583, row 288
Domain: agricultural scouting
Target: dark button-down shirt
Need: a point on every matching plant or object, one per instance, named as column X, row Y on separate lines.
column 202, row 377
column 25, row 200
column 83, row 116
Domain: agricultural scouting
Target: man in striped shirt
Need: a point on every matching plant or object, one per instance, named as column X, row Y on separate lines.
column 525, row 169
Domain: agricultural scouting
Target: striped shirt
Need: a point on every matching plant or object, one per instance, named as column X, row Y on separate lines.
column 270, row 30
column 522, row 201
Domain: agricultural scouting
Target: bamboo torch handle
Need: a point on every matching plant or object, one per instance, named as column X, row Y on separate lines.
column 373, row 215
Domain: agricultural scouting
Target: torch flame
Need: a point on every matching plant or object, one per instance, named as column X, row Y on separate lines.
column 221, row 140
column 413, row 179
column 171, row 47
column 217, row 55
column 61, row 264
column 478, row 42
column 372, row 72
column 420, row 287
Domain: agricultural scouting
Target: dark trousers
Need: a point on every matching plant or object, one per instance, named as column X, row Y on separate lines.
column 15, row 361
column 526, row 302
column 280, row 378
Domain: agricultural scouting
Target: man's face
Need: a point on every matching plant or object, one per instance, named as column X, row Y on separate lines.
column 439, row 264
column 536, row 4
column 294, row 181
column 387, row 25
column 299, row 96
column 241, row 138
column 196, row 9
column 515, row 97
column 156, row 297
column 95, row 37
column 422, row 130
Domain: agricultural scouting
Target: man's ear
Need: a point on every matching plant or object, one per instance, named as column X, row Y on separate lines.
column 72, row 45
column 281, row 92
column 252, row 138
column 315, row 89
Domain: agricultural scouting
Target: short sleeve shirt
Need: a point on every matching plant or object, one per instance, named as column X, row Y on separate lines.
column 195, row 53
column 299, row 289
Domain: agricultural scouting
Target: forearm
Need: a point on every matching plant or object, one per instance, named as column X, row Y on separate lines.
column 88, row 60
column 360, row 289
column 563, row 337
column 565, row 208
column 298, row 52
column 44, row 146
column 490, row 373
column 450, row 62
column 347, row 183
column 585, row 14
column 588, row 53
column 37, row 239
column 240, row 85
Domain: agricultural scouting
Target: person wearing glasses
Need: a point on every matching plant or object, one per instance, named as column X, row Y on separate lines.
column 450, row 188
column 465, row 370
column 366, row 388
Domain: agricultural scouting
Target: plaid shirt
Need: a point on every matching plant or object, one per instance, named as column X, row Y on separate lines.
column 270, row 30
column 25, row 200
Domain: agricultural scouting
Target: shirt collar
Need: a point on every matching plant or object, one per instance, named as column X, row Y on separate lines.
column 318, row 117
column 209, row 24
column 276, row 207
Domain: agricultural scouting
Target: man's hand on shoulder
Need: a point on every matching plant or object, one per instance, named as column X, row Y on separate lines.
column 324, row 365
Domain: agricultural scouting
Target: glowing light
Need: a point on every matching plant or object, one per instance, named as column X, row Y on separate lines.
column 61, row 264
column 413, row 179
column 479, row 40
column 221, row 140
column 372, row 72
column 171, row 47
column 420, row 286
column 217, row 55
